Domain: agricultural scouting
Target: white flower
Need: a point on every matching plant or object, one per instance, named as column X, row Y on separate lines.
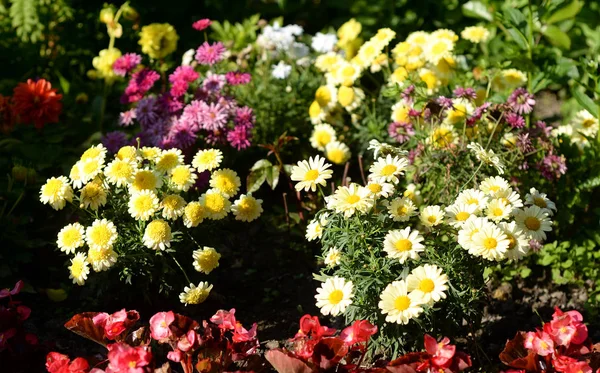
column 348, row 200
column 490, row 242
column 432, row 216
column 487, row 156
column 323, row 43
column 314, row 230
column 403, row 244
column 101, row 259
column 157, row 235
column 322, row 135
column 334, row 296
column 399, row 306
column 281, row 70
column 540, row 200
column 498, row 210
column 311, row 173
column 402, row 209
column 534, row 221
column 518, row 243
column 473, row 197
column 494, row 185
column 79, row 269
column 188, row 57
column 70, row 238
column 333, row 257
column 459, row 213
column 378, row 189
column 388, row 169
column 468, row 230
column 428, row 282
column 298, row 51
column 193, row 294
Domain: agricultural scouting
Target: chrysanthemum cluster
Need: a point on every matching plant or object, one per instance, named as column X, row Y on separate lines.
column 385, row 228
column 142, row 199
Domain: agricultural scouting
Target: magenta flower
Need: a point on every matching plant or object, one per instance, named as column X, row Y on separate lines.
column 401, row 132
column 209, row 54
column 553, row 166
column 126, row 63
column 180, row 80
column 214, row 82
column 139, row 84
column 193, row 113
column 16, row 290
column 238, row 78
column 444, row 102
column 202, row 24
column 180, row 135
column 113, row 141
column 214, row 117
column 126, row 118
column 515, row 120
column 407, row 94
column 524, row 143
column 159, row 325
column 239, row 137
column 123, row 358
column 244, row 116
column 468, row 93
column 521, row 101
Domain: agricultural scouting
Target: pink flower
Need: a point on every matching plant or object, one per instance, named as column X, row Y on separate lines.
column 214, row 117
column 579, row 367
column 209, row 54
column 528, row 343
column 175, row 356
column 238, row 78
column 561, row 363
column 224, row 319
column 159, row 325
column 240, row 334
column 202, row 24
column 187, row 342
column 543, row 344
column 442, row 352
column 5, row 336
column 123, row 358
column 239, row 137
column 140, row 83
column 126, row 63
column 126, row 118
column 116, row 323
column 59, row 363
column 16, row 290
column 567, row 320
column 360, row 331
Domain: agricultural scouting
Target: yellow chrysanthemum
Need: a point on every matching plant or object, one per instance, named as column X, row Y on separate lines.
column 93, row 195
column 216, row 204
column 206, row 259
column 158, row 40
column 193, row 214
column 89, row 169
column 207, row 160
column 443, row 136
column 157, row 235
column 225, row 181
column 56, row 192
column 322, row 135
column 348, row 31
column 328, row 61
column 182, row 177
column 102, row 234
column 101, row 259
column 150, row 152
column 145, row 180
column 103, row 63
column 96, row 151
column 167, row 160
column 337, row 152
column 70, row 238
column 120, row 172
column 127, row 152
column 195, row 294
column 143, row 204
column 247, row 208
column 79, row 269
column 173, row 206
column 475, row 34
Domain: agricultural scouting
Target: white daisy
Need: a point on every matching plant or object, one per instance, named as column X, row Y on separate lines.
column 157, row 235
column 398, row 304
column 518, row 243
column 540, row 200
column 314, row 230
column 333, row 257
column 534, row 222
column 498, row 210
column 468, row 230
column 334, row 296
column 380, row 189
column 322, row 135
column 388, row 169
column 432, row 216
column 79, row 269
column 311, row 173
column 459, row 213
column 101, row 259
column 428, row 282
column 142, row 205
column 350, row 199
column 403, row 244
column 494, row 185
column 473, row 197
column 402, row 209
column 490, row 242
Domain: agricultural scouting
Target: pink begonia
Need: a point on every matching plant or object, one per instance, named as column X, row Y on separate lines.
column 159, row 325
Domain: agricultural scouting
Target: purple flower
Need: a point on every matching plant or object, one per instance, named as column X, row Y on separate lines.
column 126, row 63
column 145, row 112
column 154, row 135
column 244, row 116
column 524, row 143
column 400, row 131
column 169, row 103
column 545, row 130
column 523, row 166
column 180, row 136
column 239, row 137
column 209, row 54
column 193, row 113
column 444, row 102
column 553, row 166
column 521, row 101
column 139, row 84
column 237, row 78
column 214, row 117
column 214, row 82
column 515, row 120
column 468, row 93
column 126, row 118
column 407, row 94
column 113, row 141
column 477, row 113
column 535, row 245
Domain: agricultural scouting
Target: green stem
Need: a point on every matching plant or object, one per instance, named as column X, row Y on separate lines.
column 181, row 268
column 472, row 176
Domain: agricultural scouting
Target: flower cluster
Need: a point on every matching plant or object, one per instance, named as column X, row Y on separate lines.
column 561, row 345
column 129, row 347
column 583, row 126
column 137, row 203
column 317, row 349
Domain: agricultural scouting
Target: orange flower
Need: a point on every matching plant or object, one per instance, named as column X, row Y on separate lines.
column 37, row 102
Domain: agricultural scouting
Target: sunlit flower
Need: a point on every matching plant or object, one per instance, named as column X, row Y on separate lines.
column 468, row 230
column 158, row 40
column 437, row 48
column 207, row 160
column 432, row 216
column 150, row 152
column 403, row 244
column 443, row 136
column 93, row 195
column 173, row 206
column 326, row 96
column 195, row 294
column 323, row 43
column 206, row 259
column 143, row 204
column 346, row 73
column 402, row 209
column 56, row 192
column 518, row 242
column 475, row 34
column 314, row 230
column 70, row 238
column 311, row 173
column 459, row 213
column 90, row 168
column 540, row 200
column 120, row 172
column 193, row 214
column 281, row 70
column 128, row 152
column 380, row 189
column 490, row 242
column 398, row 305
column 101, row 259
column 388, row 169
column 103, row 63
column 182, row 177
column 487, row 156
column 498, row 210
column 585, row 123
column 428, row 282
column 79, row 269
column 333, row 257
column 247, row 208
column 337, row 152
column 322, row 135
column 35, row 101
column 75, row 176
column 166, row 160
column 334, row 296
column 102, row 234
column 351, row 199
column 492, row 186
column 473, row 197
column 226, row 181
column 157, row 235
column 534, row 222
column 328, row 61
column 145, row 179
column 215, row 204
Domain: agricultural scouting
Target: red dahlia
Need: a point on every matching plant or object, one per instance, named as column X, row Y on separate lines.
column 37, row 102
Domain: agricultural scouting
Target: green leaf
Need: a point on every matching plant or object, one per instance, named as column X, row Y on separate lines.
column 64, row 83
column 567, row 264
column 566, row 12
column 586, row 102
column 255, row 180
column 263, row 163
column 515, row 16
column 557, row 37
column 525, row 272
column 273, row 176
column 476, row 9
column 518, row 37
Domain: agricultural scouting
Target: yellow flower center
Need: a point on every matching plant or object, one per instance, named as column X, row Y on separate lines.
column 532, row 223
column 442, row 137
column 512, row 242
column 432, row 219
column 207, row 158
column 389, row 170
column 71, row 237
column 77, row 268
column 323, row 137
column 587, row 123
column 439, row 48
column 144, row 180
column 403, row 245
column 314, row 110
column 171, row 202
column 402, row 210
column 345, row 95
column 375, row 188
column 143, row 203
column 540, row 202
column 225, row 184
column 90, row 154
column 402, row 303
column 53, row 188
column 91, row 166
column 494, row 188
column 127, row 152
column 91, row 191
column 490, row 243
column 181, row 175
column 158, row 231
column 311, row 175
column 98, row 255
column 208, row 261
column 100, row 235
column 348, row 71
column 497, row 212
column 323, row 96
column 122, row 170
column 473, row 201
column 196, row 296
column 462, row 216
column 214, row 202
column 336, row 296
column 426, row 285
column 336, row 156
column 246, row 205
column 132, row 364
column 352, row 199
column 167, row 162
column 194, row 212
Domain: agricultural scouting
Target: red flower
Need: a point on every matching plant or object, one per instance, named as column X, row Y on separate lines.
column 59, row 363
column 240, row 334
column 224, row 319
column 159, row 325
column 123, row 358
column 577, row 332
column 441, row 352
column 579, row 367
column 310, row 326
column 116, row 323
column 543, row 344
column 37, row 102
column 360, row 331
column 202, row 24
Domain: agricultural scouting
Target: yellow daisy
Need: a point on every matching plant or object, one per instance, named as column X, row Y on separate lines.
column 193, row 214
column 388, row 169
column 128, row 152
column 195, row 294
column 207, row 159
column 142, row 205
column 475, row 34
column 225, row 181
column 247, row 208
column 351, row 199
column 101, row 259
column 157, row 235
column 79, row 270
column 102, row 234
column 145, row 179
column 216, row 204
column 93, row 195
column 182, row 178
column 120, row 172
column 167, row 160
column 432, row 216
column 337, row 152
column 322, row 135
column 70, row 238
column 56, row 192
column 206, row 259
column 402, row 209
column 173, row 206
